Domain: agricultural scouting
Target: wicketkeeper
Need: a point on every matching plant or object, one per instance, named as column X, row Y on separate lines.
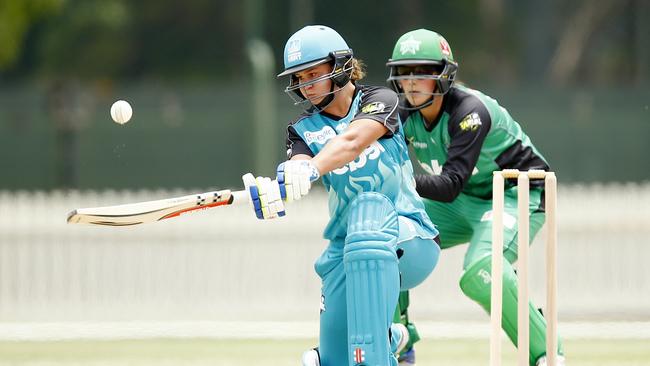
column 460, row 136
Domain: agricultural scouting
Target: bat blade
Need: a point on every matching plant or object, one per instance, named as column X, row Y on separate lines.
column 152, row 211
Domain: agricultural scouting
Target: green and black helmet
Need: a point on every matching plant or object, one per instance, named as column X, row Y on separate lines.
column 422, row 54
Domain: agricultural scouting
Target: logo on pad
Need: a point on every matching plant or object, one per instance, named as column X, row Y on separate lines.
column 359, row 355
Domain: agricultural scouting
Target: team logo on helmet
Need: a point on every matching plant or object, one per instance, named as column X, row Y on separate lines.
column 444, row 47
column 410, row 45
column 293, row 50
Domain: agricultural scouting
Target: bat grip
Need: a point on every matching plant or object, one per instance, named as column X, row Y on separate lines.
column 240, row 197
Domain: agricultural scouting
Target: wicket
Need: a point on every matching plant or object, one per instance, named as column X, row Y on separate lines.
column 550, row 185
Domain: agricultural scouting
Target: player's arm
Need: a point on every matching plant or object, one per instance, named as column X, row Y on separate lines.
column 377, row 117
column 295, row 176
column 347, row 146
column 467, row 136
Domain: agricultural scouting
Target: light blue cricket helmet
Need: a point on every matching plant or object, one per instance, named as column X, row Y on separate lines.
column 311, row 46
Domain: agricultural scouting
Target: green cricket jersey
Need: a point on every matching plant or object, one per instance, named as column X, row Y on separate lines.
column 472, row 137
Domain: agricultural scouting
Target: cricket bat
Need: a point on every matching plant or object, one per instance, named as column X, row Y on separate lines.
column 151, row 211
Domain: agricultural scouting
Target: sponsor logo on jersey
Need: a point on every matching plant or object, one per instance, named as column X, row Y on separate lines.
column 373, row 108
column 293, row 50
column 321, row 136
column 322, row 303
column 471, row 122
column 372, row 152
column 410, row 45
column 419, row 144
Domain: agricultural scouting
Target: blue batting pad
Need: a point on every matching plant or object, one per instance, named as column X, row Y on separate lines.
column 372, row 279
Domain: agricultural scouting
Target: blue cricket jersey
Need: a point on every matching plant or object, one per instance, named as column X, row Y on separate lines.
column 383, row 167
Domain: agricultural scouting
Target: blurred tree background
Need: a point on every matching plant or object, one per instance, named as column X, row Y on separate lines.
column 201, row 78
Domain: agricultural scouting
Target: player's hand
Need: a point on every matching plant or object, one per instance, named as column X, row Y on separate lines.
column 295, row 177
column 265, row 196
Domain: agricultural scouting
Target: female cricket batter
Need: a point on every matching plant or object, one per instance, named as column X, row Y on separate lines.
column 460, row 136
column 351, row 137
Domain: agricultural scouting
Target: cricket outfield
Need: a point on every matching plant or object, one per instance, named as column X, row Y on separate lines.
column 198, row 352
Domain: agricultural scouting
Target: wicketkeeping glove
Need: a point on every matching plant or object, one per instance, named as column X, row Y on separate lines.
column 295, row 177
column 264, row 196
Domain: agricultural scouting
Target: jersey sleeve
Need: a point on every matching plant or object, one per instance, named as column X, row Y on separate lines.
column 380, row 104
column 404, row 115
column 296, row 145
column 468, row 128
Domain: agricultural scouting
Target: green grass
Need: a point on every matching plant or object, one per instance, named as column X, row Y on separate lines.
column 196, row 352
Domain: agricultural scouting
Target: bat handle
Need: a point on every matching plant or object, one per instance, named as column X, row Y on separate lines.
column 240, row 197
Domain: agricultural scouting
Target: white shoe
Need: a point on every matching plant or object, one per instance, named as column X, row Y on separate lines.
column 542, row 361
column 407, row 358
column 400, row 329
column 311, row 358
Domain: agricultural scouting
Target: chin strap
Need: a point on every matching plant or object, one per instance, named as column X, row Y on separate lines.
column 317, row 108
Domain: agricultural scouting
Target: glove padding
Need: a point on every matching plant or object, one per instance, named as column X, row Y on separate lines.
column 295, row 177
column 265, row 196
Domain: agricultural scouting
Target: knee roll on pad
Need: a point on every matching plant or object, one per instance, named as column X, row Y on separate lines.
column 476, row 283
column 372, row 216
column 476, row 280
column 372, row 278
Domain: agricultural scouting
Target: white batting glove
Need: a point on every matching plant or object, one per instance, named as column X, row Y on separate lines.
column 295, row 177
column 265, row 196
